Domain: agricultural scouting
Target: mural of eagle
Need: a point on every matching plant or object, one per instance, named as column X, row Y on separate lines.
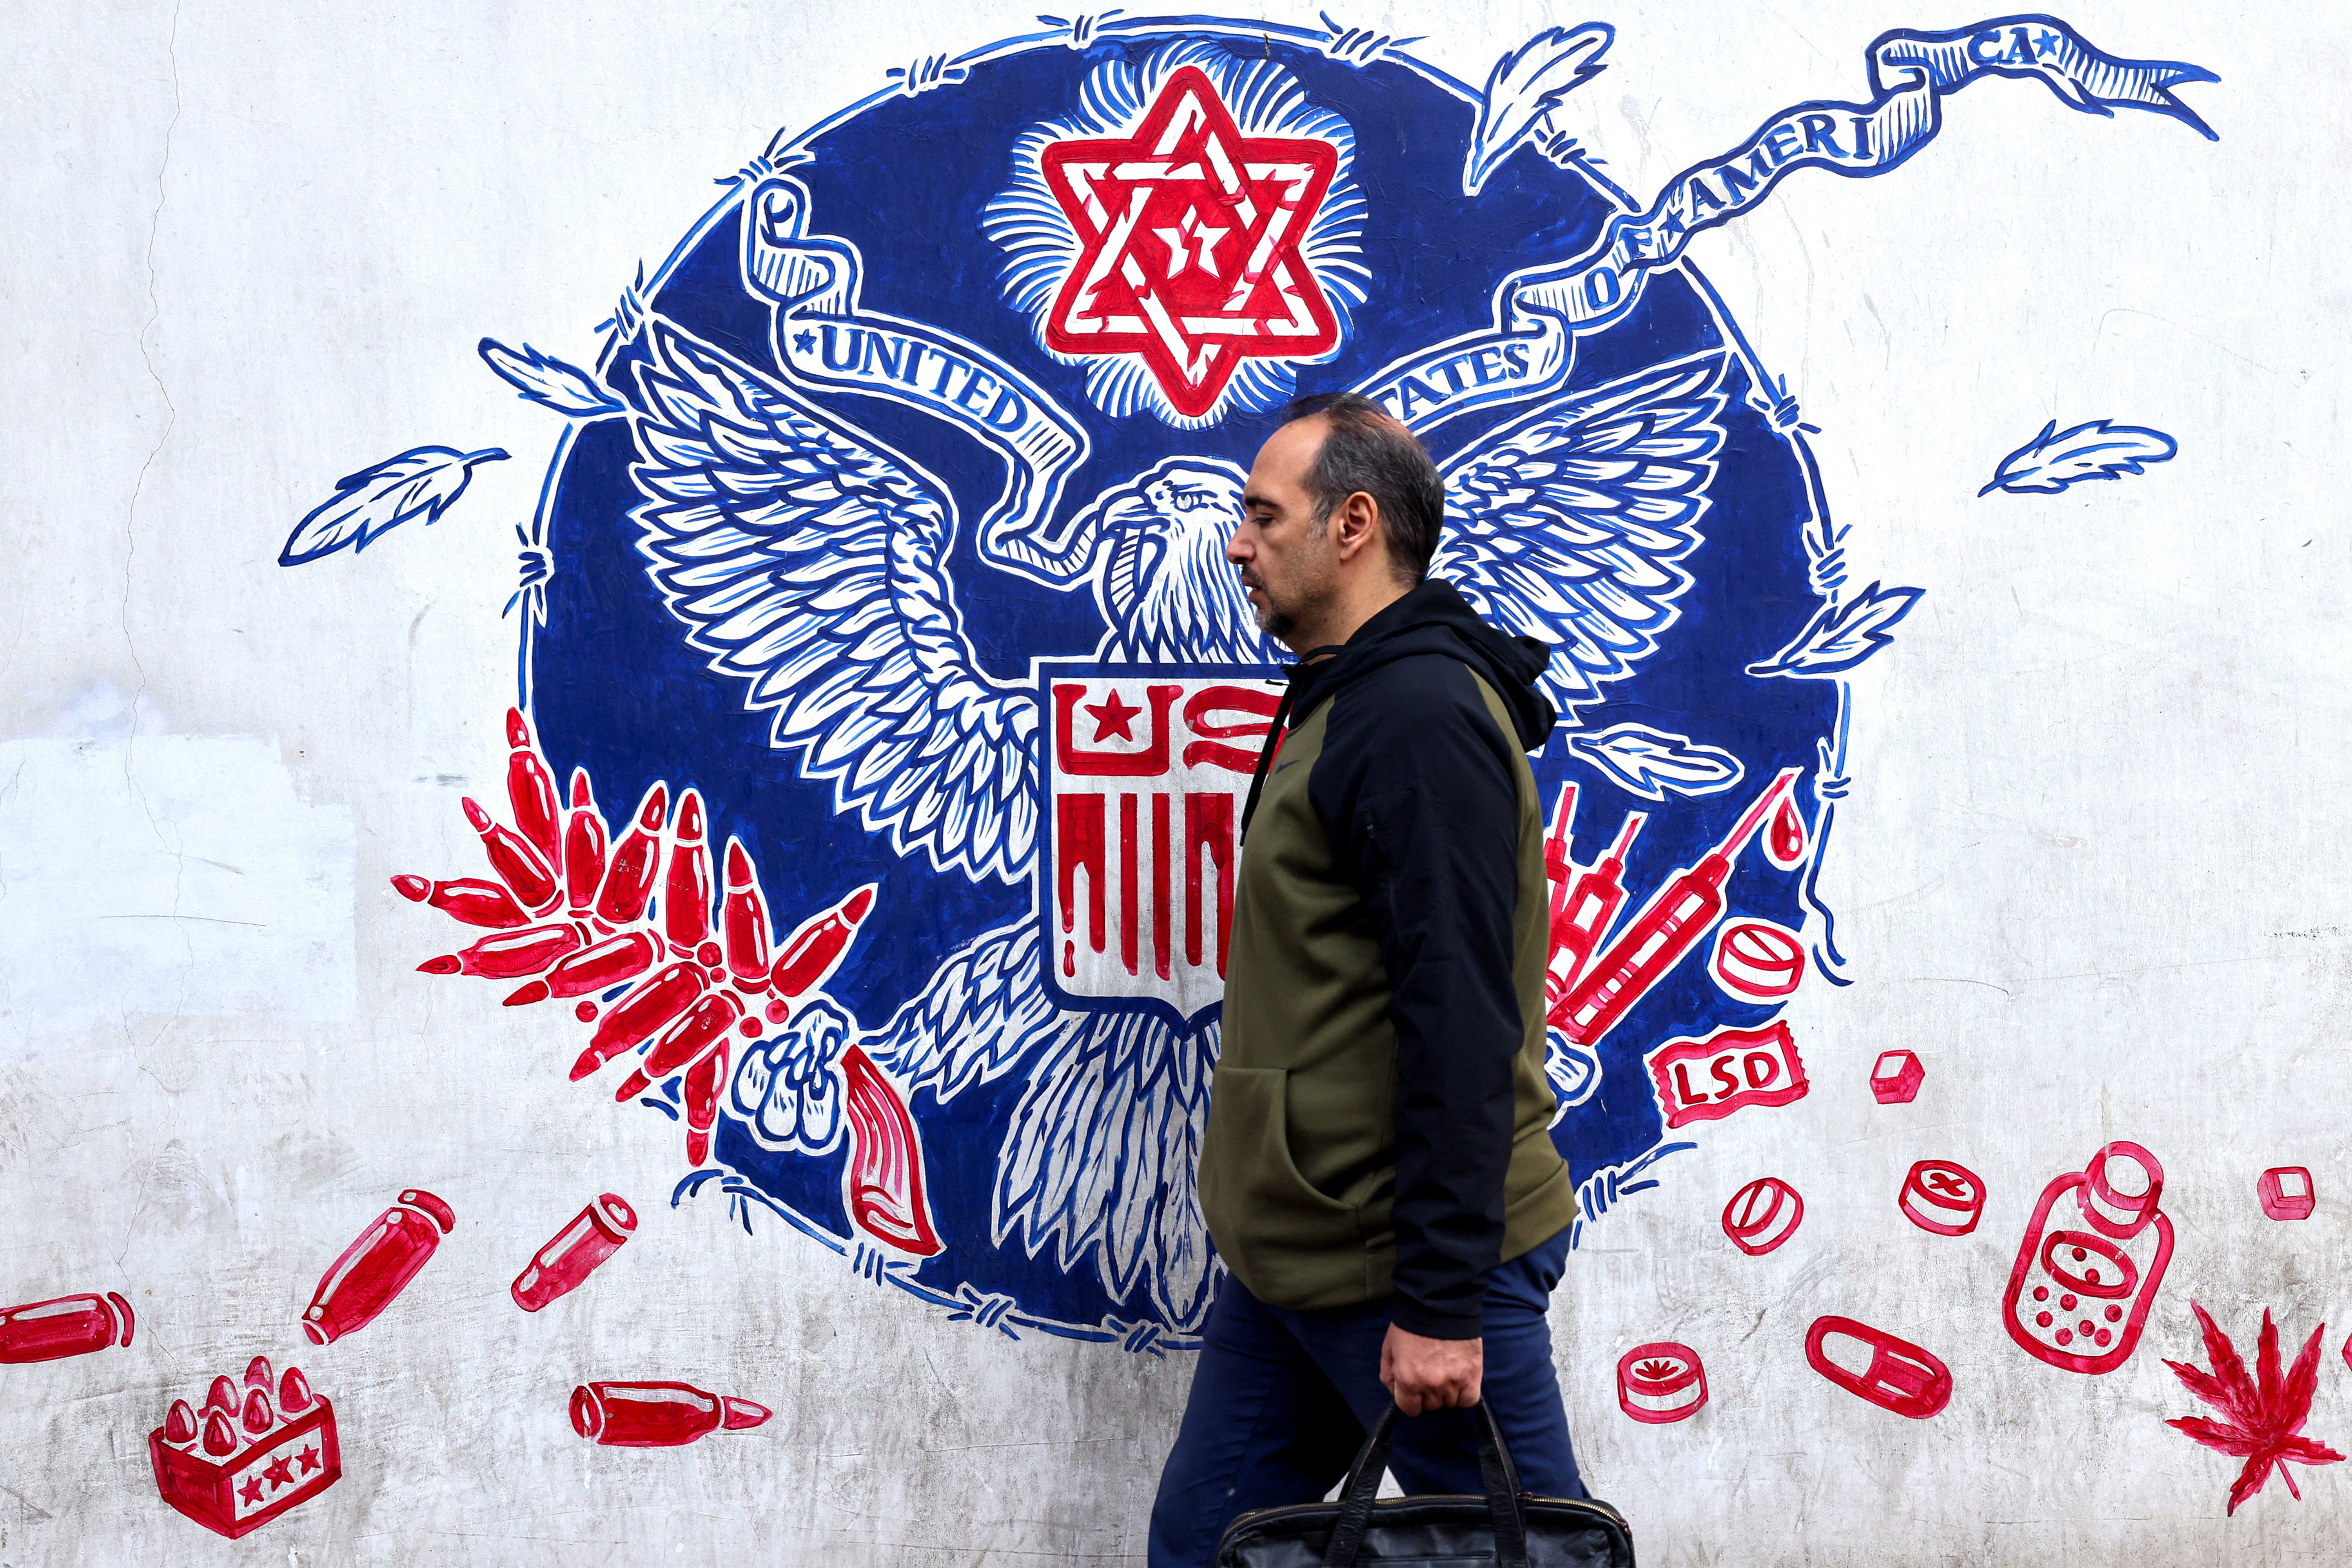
column 807, row 560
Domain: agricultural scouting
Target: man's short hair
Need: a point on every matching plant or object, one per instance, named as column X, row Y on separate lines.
column 1367, row 448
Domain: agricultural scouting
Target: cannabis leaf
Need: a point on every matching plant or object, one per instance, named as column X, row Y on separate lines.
column 2265, row 1414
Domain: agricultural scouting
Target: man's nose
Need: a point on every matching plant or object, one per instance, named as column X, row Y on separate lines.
column 1237, row 550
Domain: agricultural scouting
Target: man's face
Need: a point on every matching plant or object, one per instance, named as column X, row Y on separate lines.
column 1286, row 558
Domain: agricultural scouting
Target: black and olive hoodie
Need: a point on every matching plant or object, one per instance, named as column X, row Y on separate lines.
column 1378, row 1122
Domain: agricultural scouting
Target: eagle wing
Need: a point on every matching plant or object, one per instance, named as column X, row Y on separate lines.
column 806, row 559
column 1567, row 525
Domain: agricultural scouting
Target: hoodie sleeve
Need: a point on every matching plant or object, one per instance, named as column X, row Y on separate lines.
column 1416, row 793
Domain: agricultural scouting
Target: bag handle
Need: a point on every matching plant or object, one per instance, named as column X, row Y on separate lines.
column 1363, row 1483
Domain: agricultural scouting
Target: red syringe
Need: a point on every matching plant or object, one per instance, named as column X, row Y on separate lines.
column 1581, row 916
column 1668, row 927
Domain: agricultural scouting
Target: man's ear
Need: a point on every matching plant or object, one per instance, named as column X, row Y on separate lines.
column 1355, row 526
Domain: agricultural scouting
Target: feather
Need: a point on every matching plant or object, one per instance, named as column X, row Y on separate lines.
column 1100, row 1157
column 2095, row 450
column 549, row 383
column 810, row 562
column 1654, row 764
column 1567, row 524
column 1840, row 636
column 422, row 481
column 1526, row 85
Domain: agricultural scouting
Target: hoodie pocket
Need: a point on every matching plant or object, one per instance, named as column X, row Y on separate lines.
column 1252, row 1190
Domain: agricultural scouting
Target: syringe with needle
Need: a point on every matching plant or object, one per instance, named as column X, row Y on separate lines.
column 1582, row 915
column 1668, row 927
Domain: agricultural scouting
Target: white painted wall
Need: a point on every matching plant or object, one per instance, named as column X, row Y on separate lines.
column 2090, row 869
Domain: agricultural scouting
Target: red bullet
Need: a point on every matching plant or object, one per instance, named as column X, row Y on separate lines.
column 467, row 898
column 377, row 1267
column 258, row 1373
column 220, row 1434
column 509, row 953
column 702, row 1081
column 294, row 1396
column 629, row 878
column 180, row 1425
column 657, row 1414
column 519, row 865
column 592, row 969
column 68, row 1325
column 530, row 790
column 707, row 1021
column 584, row 843
column 686, row 897
column 743, row 919
column 595, row 1233
column 816, row 949
column 258, row 1416
column 633, row 1020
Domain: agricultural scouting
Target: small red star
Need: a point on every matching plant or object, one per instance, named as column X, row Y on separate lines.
column 249, row 1490
column 1190, row 236
column 1112, row 717
column 309, row 1458
column 280, row 1472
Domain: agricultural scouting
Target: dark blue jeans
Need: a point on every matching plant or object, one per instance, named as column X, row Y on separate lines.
column 1281, row 1401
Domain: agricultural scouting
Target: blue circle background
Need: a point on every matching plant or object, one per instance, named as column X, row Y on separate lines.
column 616, row 689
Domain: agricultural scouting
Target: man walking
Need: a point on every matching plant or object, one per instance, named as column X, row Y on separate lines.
column 1377, row 1172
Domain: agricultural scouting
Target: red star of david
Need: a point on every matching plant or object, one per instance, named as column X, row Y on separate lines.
column 1192, row 234
column 1112, row 717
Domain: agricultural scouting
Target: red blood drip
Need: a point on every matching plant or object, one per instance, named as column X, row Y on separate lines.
column 1069, row 958
column 778, row 1011
column 1788, row 830
column 707, row 954
column 751, row 1028
column 585, row 1012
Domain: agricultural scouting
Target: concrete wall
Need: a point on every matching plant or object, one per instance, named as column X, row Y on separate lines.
column 2087, row 869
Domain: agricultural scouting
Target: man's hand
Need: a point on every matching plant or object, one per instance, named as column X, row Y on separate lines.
column 1422, row 1373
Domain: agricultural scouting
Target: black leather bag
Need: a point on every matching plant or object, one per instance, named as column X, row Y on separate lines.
column 1508, row 1528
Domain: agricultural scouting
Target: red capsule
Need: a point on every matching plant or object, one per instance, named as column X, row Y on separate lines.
column 180, row 1425
column 634, row 1017
column 707, row 1020
column 597, row 968
column 702, row 1081
column 220, row 1433
column 685, row 896
column 816, row 949
column 519, row 865
column 509, row 953
column 294, row 1396
column 530, row 790
column 258, row 1416
column 584, row 844
column 629, row 878
column 743, row 921
column 657, row 1414
column 467, row 898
